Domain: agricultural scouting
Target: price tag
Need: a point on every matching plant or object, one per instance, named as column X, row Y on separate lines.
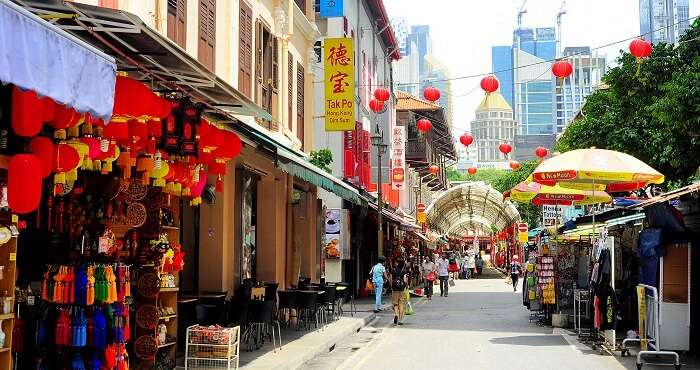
column 30, row 300
column 13, row 256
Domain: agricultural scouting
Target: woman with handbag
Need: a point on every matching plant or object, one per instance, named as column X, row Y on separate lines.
column 428, row 269
column 379, row 276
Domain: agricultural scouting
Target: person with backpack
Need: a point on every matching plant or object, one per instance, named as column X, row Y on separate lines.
column 379, row 276
column 399, row 283
column 515, row 270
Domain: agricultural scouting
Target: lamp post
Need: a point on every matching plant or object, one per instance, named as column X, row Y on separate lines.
column 378, row 142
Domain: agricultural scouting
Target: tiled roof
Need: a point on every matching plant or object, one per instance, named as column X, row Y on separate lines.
column 407, row 101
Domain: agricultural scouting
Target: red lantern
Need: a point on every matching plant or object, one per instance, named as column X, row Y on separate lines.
column 232, row 148
column 131, row 97
column 381, row 94
column 210, row 137
column 66, row 158
column 42, row 147
column 505, row 148
column 155, row 128
column 466, row 139
column 431, row 93
column 514, row 165
column 541, row 152
column 117, row 130
column 489, row 84
column 471, row 170
column 376, row 105
column 94, row 150
column 24, row 183
column 423, row 125
column 64, row 117
column 27, row 112
column 640, row 48
column 562, row 69
column 49, row 108
column 434, row 169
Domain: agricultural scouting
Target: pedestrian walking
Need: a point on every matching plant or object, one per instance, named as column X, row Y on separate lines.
column 428, row 271
column 443, row 274
column 479, row 263
column 379, row 276
column 453, row 266
column 399, row 283
column 515, row 271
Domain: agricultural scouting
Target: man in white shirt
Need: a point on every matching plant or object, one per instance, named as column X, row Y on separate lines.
column 443, row 273
column 428, row 267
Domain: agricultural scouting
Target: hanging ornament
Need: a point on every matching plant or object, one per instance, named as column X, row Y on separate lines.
column 489, row 84
column 471, row 170
column 66, row 157
column 231, row 149
column 434, row 169
column 541, row 152
column 24, row 183
column 562, row 69
column 382, row 94
column 505, row 148
column 219, row 184
column 466, row 139
column 423, row 125
column 376, row 105
column 43, row 148
column 27, row 115
column 514, row 165
column 640, row 48
column 431, row 93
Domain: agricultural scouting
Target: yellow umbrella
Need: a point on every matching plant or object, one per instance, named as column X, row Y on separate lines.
column 538, row 194
column 593, row 169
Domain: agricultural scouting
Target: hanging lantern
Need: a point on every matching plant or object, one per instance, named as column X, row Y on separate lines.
column 231, row 149
column 66, row 158
column 423, row 125
column 505, row 148
column 541, row 152
column 217, row 167
column 24, row 183
column 27, row 112
column 431, row 93
column 210, row 136
column 640, row 48
column 562, row 69
column 489, row 84
column 471, row 170
column 466, row 139
column 434, row 169
column 49, row 107
column 42, row 147
column 114, row 153
column 376, row 105
column 117, row 131
column 64, row 117
column 131, row 98
column 514, row 165
column 382, row 94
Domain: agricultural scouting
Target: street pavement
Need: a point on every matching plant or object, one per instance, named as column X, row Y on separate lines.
column 481, row 325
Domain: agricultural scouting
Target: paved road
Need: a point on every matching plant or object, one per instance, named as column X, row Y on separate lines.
column 481, row 325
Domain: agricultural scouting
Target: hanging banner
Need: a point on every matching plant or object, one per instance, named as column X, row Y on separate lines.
column 398, row 157
column 551, row 215
column 331, row 8
column 339, row 83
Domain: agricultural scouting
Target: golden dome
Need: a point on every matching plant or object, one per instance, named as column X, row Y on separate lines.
column 494, row 101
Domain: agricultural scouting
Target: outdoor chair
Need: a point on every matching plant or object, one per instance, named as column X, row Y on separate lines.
column 344, row 295
column 262, row 324
column 307, row 303
column 329, row 301
column 288, row 305
column 271, row 291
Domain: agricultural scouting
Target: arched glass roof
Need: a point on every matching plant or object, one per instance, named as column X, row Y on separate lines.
column 471, row 206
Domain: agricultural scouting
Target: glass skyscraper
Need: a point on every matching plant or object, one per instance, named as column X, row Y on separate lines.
column 663, row 20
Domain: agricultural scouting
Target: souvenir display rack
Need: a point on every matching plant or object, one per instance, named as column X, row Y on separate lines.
column 8, row 276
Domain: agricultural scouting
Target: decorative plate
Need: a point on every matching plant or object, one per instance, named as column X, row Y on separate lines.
column 148, row 285
column 137, row 190
column 145, row 347
column 147, row 316
column 136, row 214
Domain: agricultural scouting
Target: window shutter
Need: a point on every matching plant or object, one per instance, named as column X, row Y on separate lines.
column 300, row 104
column 177, row 21
column 207, row 33
column 258, row 61
column 290, row 89
column 245, row 50
column 275, row 64
column 302, row 5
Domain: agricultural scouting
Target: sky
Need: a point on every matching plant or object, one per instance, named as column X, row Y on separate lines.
column 463, row 32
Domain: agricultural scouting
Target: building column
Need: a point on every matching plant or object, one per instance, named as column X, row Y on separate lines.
column 270, row 231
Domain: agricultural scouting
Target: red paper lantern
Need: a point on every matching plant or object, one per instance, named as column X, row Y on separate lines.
column 49, row 108
column 219, row 185
column 505, row 148
column 117, row 130
column 131, row 98
column 640, row 48
column 64, row 117
column 138, row 130
column 210, row 137
column 541, row 152
column 562, row 69
column 232, row 147
column 217, row 168
column 94, row 150
column 434, row 169
column 66, row 158
column 27, row 112
column 489, row 84
column 381, row 94
column 155, row 128
column 471, row 170
column 24, row 183
column 423, row 125
column 43, row 148
column 431, row 93
column 466, row 139
column 514, row 165
column 376, row 105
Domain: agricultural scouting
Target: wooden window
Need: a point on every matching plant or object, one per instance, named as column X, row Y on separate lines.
column 207, row 33
column 108, row 4
column 177, row 21
column 265, row 61
column 302, row 5
column 290, row 92
column 245, row 50
column 300, row 104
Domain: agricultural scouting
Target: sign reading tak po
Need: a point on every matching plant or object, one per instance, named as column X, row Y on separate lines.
column 339, row 83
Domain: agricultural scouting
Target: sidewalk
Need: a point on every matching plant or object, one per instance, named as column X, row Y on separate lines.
column 299, row 347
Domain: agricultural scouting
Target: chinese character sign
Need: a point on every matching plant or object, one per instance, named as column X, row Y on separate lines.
column 398, row 157
column 339, row 84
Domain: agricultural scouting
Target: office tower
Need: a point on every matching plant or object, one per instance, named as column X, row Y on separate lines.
column 663, row 20
column 571, row 92
column 492, row 126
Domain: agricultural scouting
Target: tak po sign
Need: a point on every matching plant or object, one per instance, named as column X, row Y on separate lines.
column 339, row 84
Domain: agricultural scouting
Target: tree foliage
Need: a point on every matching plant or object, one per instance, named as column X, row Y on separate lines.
column 322, row 158
column 650, row 109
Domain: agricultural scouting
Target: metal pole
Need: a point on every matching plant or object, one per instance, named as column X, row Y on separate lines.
column 380, row 234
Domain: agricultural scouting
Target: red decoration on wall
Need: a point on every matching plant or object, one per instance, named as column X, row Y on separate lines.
column 431, row 93
column 376, row 105
column 466, row 139
column 489, row 84
column 471, row 170
column 562, row 69
column 423, row 125
column 640, row 48
column 43, row 148
column 541, row 152
column 24, row 183
column 382, row 94
column 505, row 148
column 27, row 112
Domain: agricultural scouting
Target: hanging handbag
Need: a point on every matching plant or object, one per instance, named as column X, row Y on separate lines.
column 451, row 281
column 431, row 276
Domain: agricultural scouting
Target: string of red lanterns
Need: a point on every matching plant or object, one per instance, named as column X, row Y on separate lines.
column 471, row 170
column 541, row 152
column 514, row 165
column 431, row 94
column 423, row 125
column 562, row 69
column 466, row 139
column 434, row 169
column 489, row 84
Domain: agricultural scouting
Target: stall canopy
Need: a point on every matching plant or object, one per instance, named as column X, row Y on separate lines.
column 139, row 48
column 39, row 56
column 471, row 206
column 403, row 223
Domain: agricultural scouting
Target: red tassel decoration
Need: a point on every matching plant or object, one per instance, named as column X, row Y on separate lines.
column 219, row 185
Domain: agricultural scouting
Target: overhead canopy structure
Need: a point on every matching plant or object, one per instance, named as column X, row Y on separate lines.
column 470, row 207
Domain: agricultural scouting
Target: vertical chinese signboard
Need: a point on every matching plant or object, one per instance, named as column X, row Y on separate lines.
column 339, row 84
column 398, row 156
